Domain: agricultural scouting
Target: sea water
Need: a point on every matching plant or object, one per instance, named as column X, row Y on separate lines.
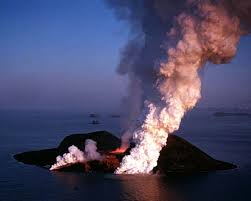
column 224, row 138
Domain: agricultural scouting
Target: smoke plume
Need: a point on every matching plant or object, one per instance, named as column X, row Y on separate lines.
column 75, row 155
column 171, row 40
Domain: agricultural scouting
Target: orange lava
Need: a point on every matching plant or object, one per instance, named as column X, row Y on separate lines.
column 118, row 150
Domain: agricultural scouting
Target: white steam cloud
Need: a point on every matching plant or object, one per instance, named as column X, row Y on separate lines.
column 203, row 31
column 75, row 155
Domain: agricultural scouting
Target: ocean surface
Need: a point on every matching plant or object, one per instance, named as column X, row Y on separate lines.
column 225, row 138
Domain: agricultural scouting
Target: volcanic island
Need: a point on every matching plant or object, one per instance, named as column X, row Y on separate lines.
column 178, row 156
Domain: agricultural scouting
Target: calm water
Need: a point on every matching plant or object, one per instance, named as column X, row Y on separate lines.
column 225, row 138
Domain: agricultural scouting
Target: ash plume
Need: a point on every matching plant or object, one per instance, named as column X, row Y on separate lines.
column 170, row 42
column 75, row 155
column 149, row 24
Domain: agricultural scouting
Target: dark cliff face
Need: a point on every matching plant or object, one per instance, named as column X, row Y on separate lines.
column 178, row 156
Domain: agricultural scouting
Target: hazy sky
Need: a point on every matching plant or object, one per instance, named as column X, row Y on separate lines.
column 62, row 54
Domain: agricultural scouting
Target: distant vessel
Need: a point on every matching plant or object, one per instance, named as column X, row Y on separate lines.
column 95, row 122
column 93, row 115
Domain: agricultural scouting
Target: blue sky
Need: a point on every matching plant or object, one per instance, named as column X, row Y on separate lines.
column 62, row 55
column 229, row 85
column 59, row 54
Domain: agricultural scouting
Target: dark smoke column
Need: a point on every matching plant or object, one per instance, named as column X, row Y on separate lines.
column 171, row 41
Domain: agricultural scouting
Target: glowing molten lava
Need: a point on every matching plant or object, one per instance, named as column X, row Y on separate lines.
column 120, row 150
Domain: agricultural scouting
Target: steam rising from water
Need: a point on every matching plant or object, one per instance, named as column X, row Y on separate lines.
column 75, row 155
column 168, row 77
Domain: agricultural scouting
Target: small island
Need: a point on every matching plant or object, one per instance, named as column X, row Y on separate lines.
column 178, row 156
column 232, row 114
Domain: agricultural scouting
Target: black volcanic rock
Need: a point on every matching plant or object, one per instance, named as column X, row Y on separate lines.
column 105, row 141
column 181, row 156
column 40, row 158
column 178, row 156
